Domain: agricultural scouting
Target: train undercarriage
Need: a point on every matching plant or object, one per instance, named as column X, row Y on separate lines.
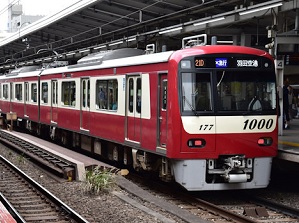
column 103, row 149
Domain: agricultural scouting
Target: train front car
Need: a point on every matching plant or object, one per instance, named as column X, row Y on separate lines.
column 228, row 115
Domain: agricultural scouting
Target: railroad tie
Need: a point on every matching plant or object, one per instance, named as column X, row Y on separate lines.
column 256, row 212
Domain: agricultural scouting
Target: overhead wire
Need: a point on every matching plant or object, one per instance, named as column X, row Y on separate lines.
column 5, row 9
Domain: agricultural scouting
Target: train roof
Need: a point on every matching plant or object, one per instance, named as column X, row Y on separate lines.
column 101, row 56
column 130, row 57
column 218, row 49
column 117, row 58
column 20, row 73
column 113, row 63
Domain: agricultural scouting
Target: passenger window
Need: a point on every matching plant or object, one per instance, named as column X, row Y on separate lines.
column 33, row 92
column 107, row 94
column 45, row 92
column 69, row 93
column 5, row 91
column 18, row 92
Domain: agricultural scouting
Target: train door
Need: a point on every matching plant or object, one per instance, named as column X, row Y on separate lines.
column 162, row 109
column 26, row 98
column 54, row 102
column 85, row 104
column 133, row 109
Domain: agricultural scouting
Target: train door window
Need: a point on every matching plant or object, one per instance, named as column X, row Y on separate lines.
column 18, row 92
column 69, row 93
column 113, row 95
column 12, row 91
column 196, row 92
column 86, row 93
column 54, row 93
column 5, row 91
column 44, row 91
column 164, row 94
column 138, row 95
column 131, row 94
column 33, row 92
column 26, row 91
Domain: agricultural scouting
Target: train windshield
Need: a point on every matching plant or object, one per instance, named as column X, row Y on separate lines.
column 229, row 91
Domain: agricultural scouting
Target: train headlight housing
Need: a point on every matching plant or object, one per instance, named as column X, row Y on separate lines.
column 265, row 141
column 186, row 64
column 196, row 143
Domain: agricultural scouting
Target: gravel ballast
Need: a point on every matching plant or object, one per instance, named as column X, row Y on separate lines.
column 104, row 207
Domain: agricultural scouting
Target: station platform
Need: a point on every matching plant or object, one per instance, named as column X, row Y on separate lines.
column 288, row 143
column 79, row 160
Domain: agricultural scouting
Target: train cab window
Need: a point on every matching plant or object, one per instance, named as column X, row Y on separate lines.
column 246, row 91
column 44, row 91
column 196, row 92
column 5, row 93
column 69, row 93
column 107, row 94
column 33, row 92
column 18, row 92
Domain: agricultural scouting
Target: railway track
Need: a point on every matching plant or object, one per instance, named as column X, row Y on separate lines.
column 49, row 161
column 32, row 202
column 238, row 207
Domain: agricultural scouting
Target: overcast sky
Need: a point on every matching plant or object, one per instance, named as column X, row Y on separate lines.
column 33, row 7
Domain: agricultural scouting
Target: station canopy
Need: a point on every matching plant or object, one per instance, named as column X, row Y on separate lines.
column 89, row 26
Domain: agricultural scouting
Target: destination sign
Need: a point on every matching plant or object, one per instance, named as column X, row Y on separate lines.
column 227, row 62
column 247, row 63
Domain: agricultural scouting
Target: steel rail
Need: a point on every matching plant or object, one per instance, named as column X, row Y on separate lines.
column 71, row 213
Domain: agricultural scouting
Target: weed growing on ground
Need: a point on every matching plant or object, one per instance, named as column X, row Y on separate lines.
column 21, row 159
column 98, row 180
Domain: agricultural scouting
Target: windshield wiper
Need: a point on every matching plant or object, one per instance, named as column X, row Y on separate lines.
column 190, row 106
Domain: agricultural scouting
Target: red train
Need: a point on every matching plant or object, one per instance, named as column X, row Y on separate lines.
column 204, row 116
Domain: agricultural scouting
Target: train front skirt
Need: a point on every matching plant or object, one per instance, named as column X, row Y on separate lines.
column 186, row 173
